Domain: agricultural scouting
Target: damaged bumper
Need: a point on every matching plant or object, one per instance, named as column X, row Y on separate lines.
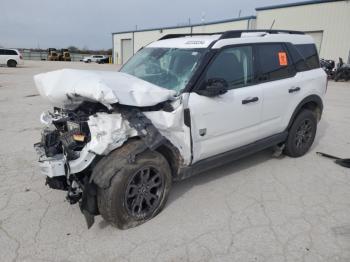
column 106, row 133
column 58, row 165
column 50, row 166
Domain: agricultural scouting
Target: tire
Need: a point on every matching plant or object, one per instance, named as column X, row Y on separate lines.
column 301, row 134
column 11, row 63
column 130, row 201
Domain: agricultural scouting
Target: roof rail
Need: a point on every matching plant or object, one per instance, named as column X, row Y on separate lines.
column 238, row 33
column 233, row 33
column 169, row 36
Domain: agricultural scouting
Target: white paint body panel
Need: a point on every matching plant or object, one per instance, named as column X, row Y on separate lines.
column 108, row 132
column 171, row 125
column 101, row 86
column 228, row 123
column 279, row 104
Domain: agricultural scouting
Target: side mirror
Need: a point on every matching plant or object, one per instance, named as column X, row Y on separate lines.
column 214, row 87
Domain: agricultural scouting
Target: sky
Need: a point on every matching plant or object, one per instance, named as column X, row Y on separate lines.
column 90, row 23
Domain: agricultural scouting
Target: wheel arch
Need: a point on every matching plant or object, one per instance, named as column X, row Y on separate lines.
column 173, row 157
column 11, row 60
column 311, row 102
column 130, row 149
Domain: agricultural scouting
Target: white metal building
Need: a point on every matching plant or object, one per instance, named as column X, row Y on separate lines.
column 327, row 21
column 125, row 44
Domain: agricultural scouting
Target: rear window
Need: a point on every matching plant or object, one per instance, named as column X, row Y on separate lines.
column 309, row 52
column 11, row 52
column 274, row 62
column 298, row 60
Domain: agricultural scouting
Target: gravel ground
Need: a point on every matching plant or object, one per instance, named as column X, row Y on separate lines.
column 257, row 209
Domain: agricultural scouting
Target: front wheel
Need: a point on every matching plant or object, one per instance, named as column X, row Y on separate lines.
column 138, row 191
column 301, row 134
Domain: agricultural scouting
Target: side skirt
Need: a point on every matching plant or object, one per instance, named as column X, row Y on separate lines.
column 232, row 155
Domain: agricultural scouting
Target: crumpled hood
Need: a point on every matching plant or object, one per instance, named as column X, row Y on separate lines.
column 67, row 87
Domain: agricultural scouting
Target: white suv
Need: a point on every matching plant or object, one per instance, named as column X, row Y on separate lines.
column 93, row 58
column 181, row 105
column 10, row 57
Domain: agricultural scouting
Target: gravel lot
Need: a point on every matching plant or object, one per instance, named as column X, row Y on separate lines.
column 257, row 209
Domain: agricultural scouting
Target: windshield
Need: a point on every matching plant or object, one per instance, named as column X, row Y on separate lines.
column 170, row 68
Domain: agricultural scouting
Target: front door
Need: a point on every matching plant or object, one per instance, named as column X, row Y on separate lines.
column 230, row 120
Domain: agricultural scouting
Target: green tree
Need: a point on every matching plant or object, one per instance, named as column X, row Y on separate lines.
column 73, row 48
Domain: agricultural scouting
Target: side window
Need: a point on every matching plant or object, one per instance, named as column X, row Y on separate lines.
column 309, row 51
column 274, row 62
column 2, row 52
column 12, row 52
column 235, row 65
column 298, row 60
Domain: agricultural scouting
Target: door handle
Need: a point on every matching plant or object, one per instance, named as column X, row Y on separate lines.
column 250, row 100
column 294, row 89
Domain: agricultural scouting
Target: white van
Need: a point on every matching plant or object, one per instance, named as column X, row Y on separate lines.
column 10, row 57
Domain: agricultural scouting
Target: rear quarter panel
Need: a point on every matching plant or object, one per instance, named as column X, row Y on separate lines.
column 312, row 82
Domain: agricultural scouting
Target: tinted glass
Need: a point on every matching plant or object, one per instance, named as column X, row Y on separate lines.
column 7, row 52
column 235, row 65
column 11, row 52
column 309, row 52
column 274, row 62
column 298, row 59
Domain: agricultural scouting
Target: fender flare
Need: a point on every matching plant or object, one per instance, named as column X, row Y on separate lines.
column 311, row 98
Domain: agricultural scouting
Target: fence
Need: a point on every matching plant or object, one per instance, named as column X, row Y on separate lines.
column 35, row 55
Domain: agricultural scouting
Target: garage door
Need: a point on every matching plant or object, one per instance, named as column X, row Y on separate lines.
column 317, row 36
column 127, row 50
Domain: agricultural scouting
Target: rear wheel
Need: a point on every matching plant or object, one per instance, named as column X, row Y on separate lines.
column 138, row 191
column 301, row 134
column 11, row 63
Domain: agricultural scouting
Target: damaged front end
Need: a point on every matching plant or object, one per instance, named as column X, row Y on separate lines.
column 96, row 113
column 72, row 141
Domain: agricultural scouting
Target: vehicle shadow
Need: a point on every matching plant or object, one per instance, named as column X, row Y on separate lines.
column 181, row 187
column 321, row 131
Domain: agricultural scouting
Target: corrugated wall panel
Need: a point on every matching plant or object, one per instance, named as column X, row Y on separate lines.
column 333, row 18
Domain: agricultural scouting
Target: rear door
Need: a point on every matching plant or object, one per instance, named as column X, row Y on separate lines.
column 230, row 120
column 279, row 83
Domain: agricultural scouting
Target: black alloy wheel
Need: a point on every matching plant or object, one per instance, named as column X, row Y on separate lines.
column 144, row 192
column 304, row 134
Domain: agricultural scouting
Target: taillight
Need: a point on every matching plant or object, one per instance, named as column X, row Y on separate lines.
column 20, row 56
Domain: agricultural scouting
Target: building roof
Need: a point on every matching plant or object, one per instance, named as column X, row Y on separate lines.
column 182, row 26
column 311, row 2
